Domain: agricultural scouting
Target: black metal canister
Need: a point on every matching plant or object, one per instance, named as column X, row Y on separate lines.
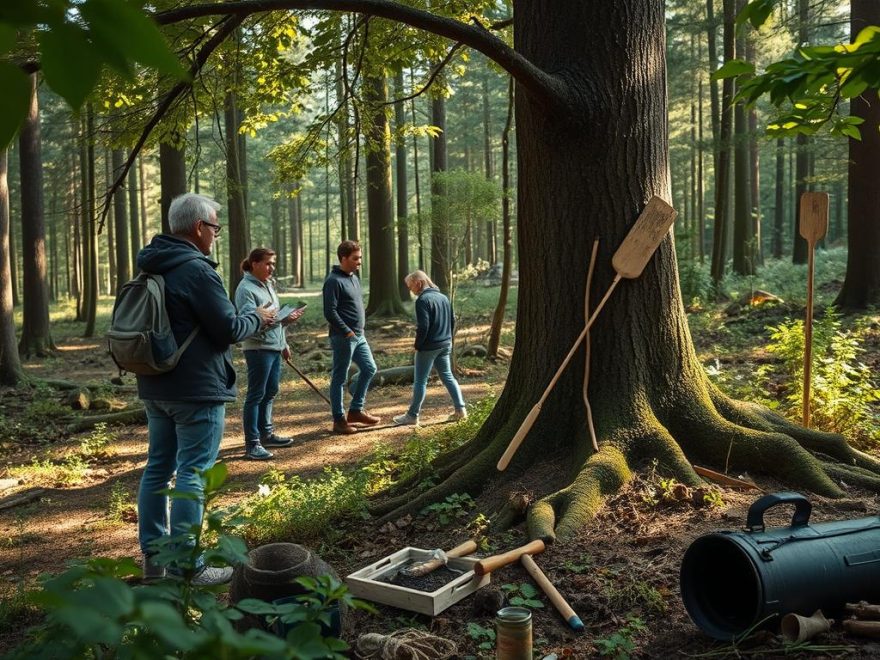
column 732, row 581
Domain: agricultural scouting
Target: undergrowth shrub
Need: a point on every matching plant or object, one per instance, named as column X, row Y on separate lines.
column 844, row 396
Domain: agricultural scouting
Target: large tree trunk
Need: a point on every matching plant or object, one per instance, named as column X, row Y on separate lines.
column 439, row 231
column 802, row 158
column 743, row 236
column 861, row 287
column 384, row 294
column 722, row 161
column 172, row 177
column 402, row 196
column 10, row 366
column 89, row 224
column 650, row 396
column 35, row 336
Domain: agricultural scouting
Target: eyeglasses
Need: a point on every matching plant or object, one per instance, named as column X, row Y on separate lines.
column 216, row 228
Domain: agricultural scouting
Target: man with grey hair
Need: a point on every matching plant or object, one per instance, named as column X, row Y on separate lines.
column 186, row 406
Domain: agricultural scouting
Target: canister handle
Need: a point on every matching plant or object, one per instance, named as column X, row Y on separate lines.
column 802, row 509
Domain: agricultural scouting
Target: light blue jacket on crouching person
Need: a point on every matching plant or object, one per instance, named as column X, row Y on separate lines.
column 250, row 294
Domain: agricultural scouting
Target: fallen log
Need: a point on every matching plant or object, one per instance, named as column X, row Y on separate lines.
column 134, row 416
column 21, row 498
column 863, row 628
column 392, row 376
column 863, row 610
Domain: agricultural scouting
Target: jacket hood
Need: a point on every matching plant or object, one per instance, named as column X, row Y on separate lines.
column 166, row 252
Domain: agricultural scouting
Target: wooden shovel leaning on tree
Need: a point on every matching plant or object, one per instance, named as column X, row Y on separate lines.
column 813, row 226
column 629, row 261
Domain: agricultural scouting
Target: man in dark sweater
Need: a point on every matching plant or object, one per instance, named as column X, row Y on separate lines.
column 344, row 311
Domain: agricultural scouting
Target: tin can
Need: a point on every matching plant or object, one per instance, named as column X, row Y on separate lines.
column 513, row 634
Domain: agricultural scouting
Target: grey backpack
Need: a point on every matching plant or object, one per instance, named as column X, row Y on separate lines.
column 140, row 337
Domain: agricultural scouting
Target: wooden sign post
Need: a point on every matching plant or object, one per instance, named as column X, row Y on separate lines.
column 813, row 226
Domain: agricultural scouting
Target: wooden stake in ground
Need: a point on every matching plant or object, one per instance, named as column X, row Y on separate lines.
column 629, row 261
column 561, row 605
column 813, row 226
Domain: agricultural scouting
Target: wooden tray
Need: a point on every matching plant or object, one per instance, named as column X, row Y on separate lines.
column 365, row 583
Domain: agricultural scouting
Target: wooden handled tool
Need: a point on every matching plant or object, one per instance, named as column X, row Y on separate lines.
column 813, row 226
column 573, row 620
column 489, row 564
column 424, row 568
column 629, row 261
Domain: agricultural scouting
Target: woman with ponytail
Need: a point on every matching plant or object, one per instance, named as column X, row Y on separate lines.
column 263, row 353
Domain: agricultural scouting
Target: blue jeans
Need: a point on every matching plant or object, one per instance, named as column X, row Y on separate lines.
column 439, row 359
column 345, row 351
column 184, row 437
column 263, row 375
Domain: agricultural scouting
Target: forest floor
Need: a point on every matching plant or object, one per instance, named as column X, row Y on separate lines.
column 620, row 574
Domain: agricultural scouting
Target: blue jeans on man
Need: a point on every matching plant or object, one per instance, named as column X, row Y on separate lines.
column 345, row 351
column 439, row 358
column 264, row 375
column 184, row 437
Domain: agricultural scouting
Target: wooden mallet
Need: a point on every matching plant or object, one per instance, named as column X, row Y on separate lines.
column 493, row 563
column 424, row 568
column 629, row 261
column 813, row 226
column 573, row 620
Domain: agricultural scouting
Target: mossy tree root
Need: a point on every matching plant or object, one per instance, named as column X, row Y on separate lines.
column 604, row 473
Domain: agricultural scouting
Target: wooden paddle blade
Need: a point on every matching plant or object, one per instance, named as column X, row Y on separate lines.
column 641, row 242
column 521, row 434
column 814, row 216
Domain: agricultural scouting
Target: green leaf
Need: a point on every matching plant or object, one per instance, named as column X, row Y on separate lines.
column 733, row 68
column 133, row 34
column 70, row 63
column 528, row 590
column 16, row 88
column 214, row 477
column 850, row 131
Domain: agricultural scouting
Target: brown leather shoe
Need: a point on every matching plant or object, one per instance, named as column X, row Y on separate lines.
column 360, row 417
column 341, row 427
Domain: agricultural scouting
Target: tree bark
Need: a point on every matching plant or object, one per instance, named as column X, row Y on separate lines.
column 802, row 157
column 172, row 177
column 36, row 339
column 779, row 197
column 134, row 230
column 722, row 163
column 402, row 196
column 384, row 295
column 120, row 222
column 236, row 220
column 498, row 316
column 743, row 237
column 491, row 245
column 295, row 233
column 439, row 231
column 10, row 365
column 861, row 286
column 89, row 224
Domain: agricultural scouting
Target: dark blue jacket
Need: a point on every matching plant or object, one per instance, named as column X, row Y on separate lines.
column 343, row 302
column 194, row 295
column 434, row 320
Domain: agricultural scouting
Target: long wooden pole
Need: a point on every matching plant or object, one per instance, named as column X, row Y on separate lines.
column 561, row 605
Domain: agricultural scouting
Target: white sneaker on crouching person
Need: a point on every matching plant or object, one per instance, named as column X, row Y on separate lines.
column 458, row 415
column 406, row 420
column 212, row 575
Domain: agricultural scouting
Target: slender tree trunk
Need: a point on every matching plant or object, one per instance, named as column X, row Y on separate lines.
column 779, row 197
column 35, row 336
column 491, row 245
column 295, row 234
column 802, row 158
column 10, row 365
column 722, row 168
column 501, row 307
column 440, row 256
column 172, row 177
column 134, row 229
column 743, row 236
column 143, row 199
column 699, row 234
column 89, row 225
column 861, row 287
column 384, row 293
column 120, row 223
column 714, row 102
column 235, row 200
column 402, row 196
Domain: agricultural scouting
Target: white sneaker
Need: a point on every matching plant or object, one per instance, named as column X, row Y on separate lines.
column 212, row 575
column 458, row 415
column 406, row 420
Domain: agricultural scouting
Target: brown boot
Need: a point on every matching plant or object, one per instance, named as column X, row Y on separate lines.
column 360, row 417
column 341, row 427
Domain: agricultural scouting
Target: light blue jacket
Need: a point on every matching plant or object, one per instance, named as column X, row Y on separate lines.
column 250, row 294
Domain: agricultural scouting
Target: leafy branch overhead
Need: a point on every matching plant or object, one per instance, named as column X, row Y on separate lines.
column 74, row 41
column 808, row 88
